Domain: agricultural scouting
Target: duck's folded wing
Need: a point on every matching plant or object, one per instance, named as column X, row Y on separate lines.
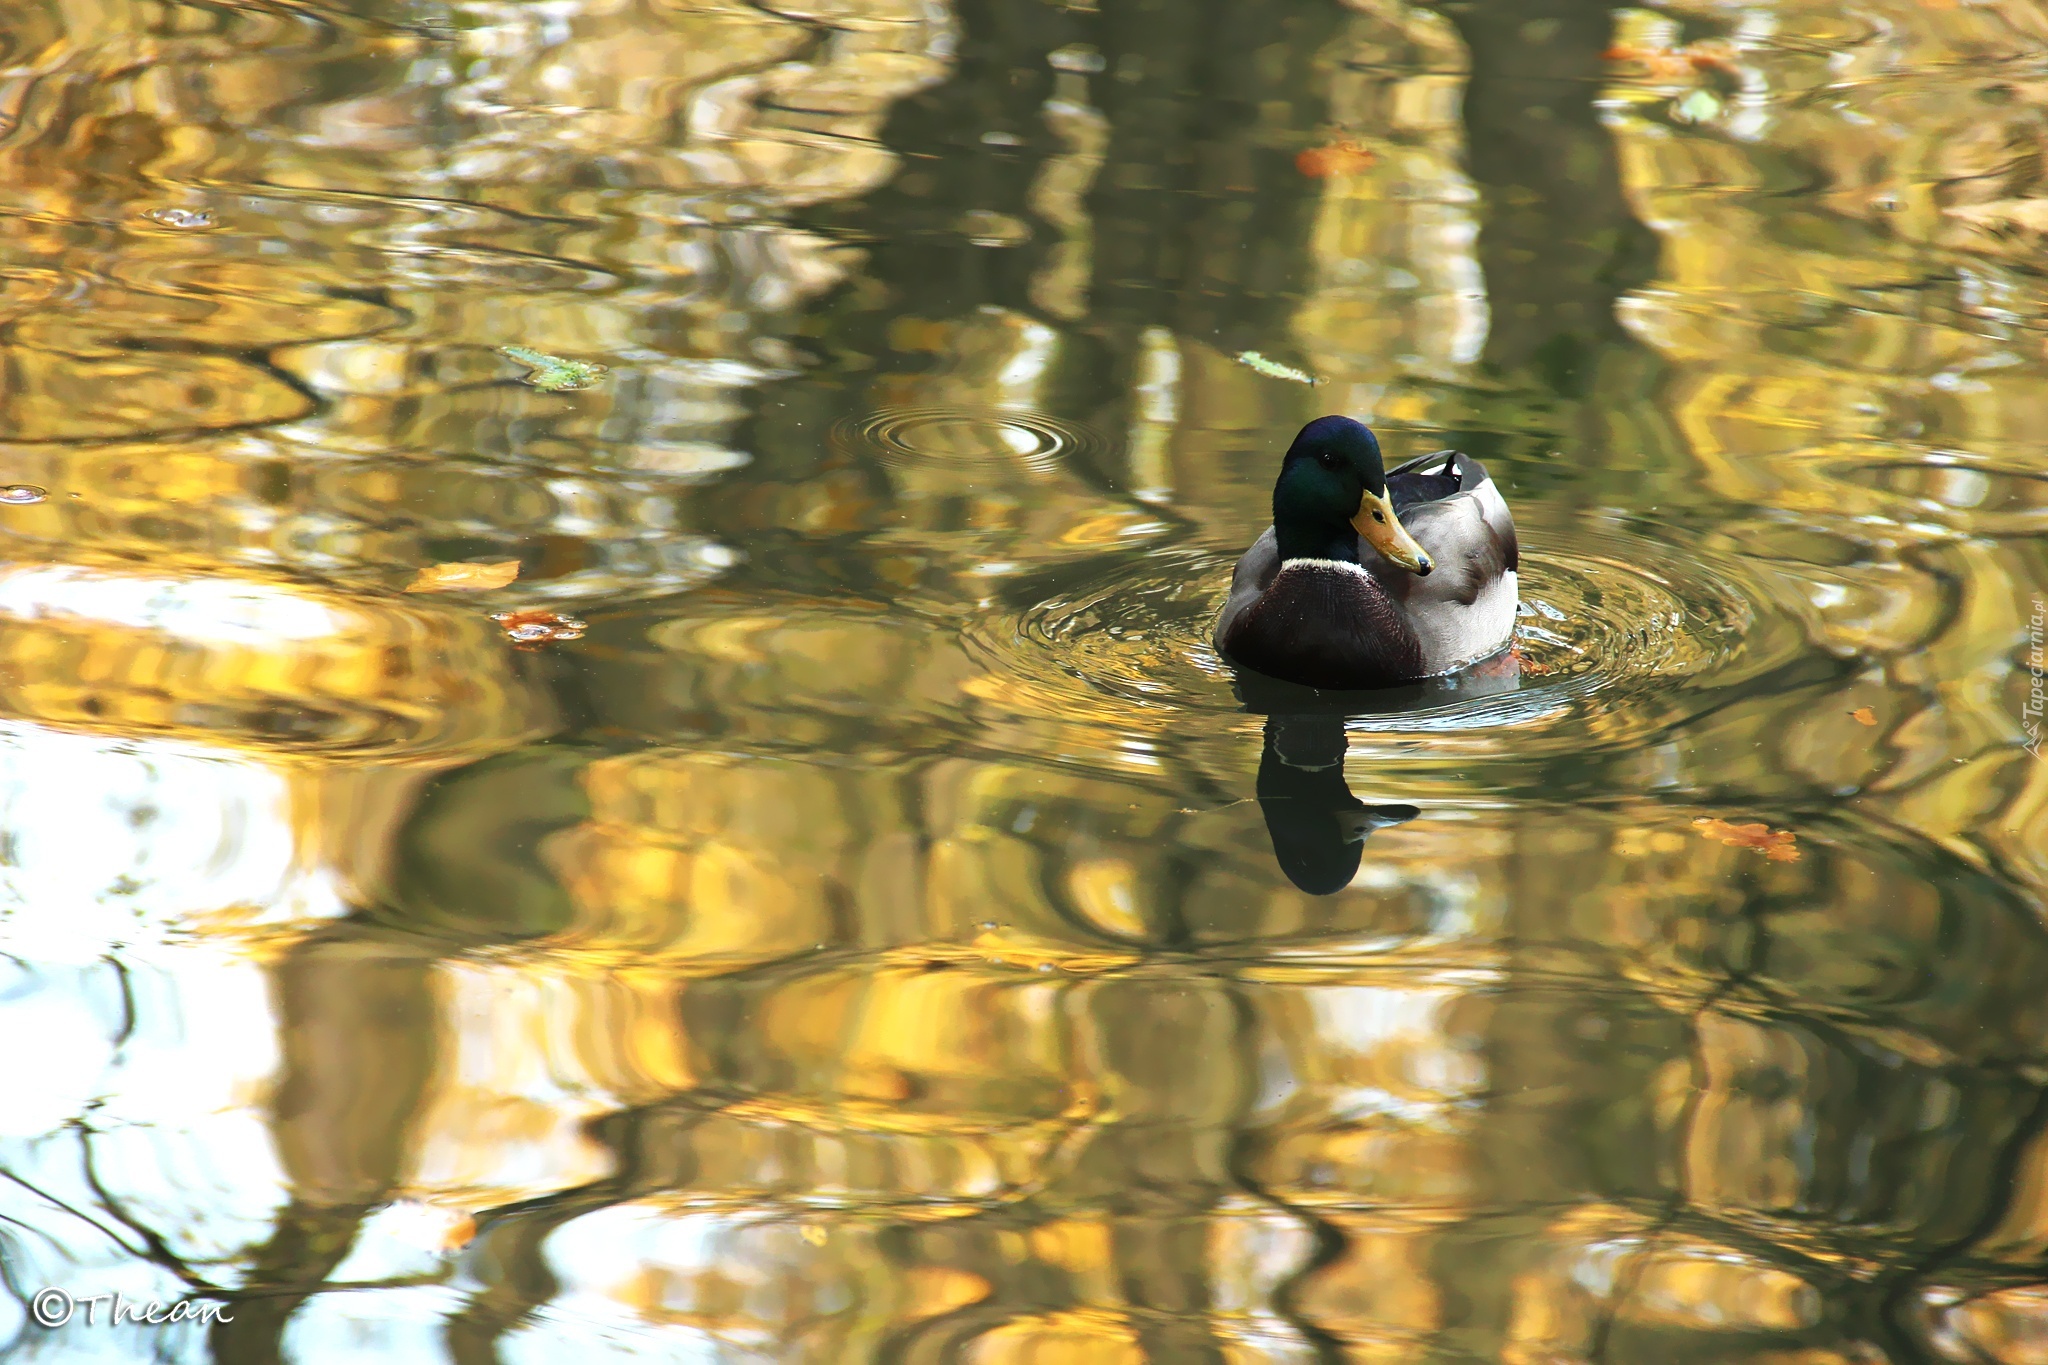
column 1465, row 608
column 1432, row 478
column 1470, row 540
column 1454, row 523
column 1254, row 575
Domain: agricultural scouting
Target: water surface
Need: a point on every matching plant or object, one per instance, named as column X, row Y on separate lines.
column 847, row 912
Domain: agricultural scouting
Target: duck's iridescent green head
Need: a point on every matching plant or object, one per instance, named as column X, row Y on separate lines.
column 1332, row 488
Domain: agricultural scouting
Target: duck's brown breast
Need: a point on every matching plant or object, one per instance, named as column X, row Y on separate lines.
column 1325, row 624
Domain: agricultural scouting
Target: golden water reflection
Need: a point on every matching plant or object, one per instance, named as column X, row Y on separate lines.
column 890, row 933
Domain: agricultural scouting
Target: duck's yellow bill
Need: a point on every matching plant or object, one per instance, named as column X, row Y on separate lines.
column 1384, row 532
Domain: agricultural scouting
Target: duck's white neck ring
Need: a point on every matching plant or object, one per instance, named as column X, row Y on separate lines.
column 1341, row 565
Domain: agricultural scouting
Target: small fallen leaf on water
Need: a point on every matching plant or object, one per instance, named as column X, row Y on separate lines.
column 1864, row 716
column 551, row 373
column 1673, row 64
column 532, row 627
column 1662, row 65
column 180, row 218
column 464, row 577
column 1337, row 158
column 1776, row 844
column 1696, row 107
column 1273, row 369
column 1712, row 56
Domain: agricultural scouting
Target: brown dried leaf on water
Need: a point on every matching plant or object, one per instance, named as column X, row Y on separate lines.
column 532, row 627
column 1776, row 844
column 1863, row 715
column 464, row 577
column 430, row 1227
column 1342, row 157
column 1667, row 64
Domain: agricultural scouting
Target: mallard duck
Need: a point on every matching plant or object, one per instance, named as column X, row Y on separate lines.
column 1367, row 579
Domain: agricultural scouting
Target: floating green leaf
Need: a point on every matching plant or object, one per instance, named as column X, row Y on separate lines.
column 551, row 373
column 1273, row 369
column 1696, row 107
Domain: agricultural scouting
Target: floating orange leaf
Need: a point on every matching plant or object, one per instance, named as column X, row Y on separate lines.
column 1864, row 715
column 430, row 1226
column 1710, row 56
column 1776, row 844
column 464, row 577
column 1662, row 65
column 1672, row 64
column 1338, row 158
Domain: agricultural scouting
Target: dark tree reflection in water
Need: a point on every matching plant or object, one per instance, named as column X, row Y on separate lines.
column 875, row 927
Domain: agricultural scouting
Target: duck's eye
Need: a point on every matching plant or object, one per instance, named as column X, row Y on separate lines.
column 1328, row 459
column 1380, row 517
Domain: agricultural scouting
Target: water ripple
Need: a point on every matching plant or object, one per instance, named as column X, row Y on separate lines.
column 1611, row 621
column 965, row 437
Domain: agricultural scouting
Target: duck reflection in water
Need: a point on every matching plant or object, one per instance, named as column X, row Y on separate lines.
column 1318, row 827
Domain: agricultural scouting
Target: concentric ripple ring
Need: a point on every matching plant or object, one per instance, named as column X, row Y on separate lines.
column 965, row 437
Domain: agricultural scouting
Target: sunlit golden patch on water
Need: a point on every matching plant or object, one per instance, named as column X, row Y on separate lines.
column 249, row 661
column 817, row 895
